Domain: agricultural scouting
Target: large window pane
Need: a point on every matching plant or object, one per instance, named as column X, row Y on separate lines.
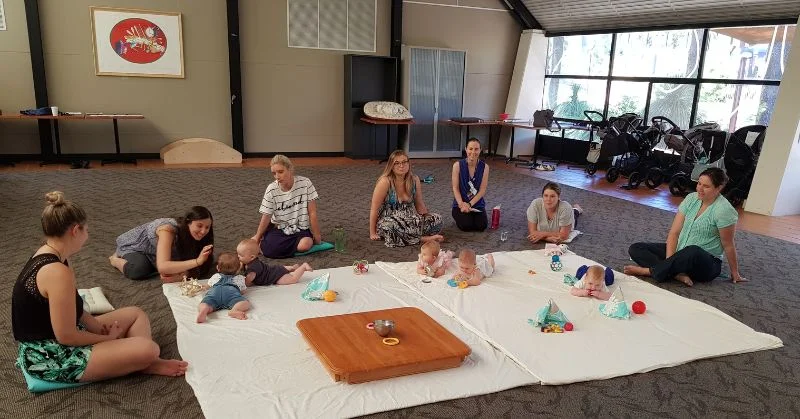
column 658, row 54
column 733, row 106
column 751, row 53
column 581, row 55
column 673, row 101
column 568, row 98
column 627, row 96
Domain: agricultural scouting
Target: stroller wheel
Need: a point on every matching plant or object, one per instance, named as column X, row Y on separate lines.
column 634, row 180
column 678, row 184
column 654, row 178
column 612, row 174
column 591, row 169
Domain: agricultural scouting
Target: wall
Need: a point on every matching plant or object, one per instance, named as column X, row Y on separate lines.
column 293, row 97
column 776, row 184
column 16, row 82
column 197, row 105
column 490, row 38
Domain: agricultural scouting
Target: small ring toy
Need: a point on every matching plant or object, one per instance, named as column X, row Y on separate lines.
column 370, row 325
column 391, row 341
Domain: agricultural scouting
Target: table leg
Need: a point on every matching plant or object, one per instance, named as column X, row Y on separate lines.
column 57, row 159
column 117, row 159
column 511, row 158
column 388, row 143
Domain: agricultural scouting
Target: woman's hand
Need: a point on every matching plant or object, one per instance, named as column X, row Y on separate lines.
column 535, row 236
column 736, row 278
column 204, row 254
column 317, row 238
column 113, row 330
column 464, row 206
column 374, row 236
column 257, row 238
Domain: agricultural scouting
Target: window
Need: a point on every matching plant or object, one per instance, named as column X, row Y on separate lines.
column 748, row 53
column 347, row 25
column 582, row 55
column 673, row 101
column 733, row 106
column 658, row 73
column 627, row 96
column 658, row 54
column 568, row 98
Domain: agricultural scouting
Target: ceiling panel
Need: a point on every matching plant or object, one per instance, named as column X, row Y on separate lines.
column 589, row 15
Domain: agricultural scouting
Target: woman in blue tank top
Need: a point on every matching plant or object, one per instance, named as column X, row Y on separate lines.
column 470, row 178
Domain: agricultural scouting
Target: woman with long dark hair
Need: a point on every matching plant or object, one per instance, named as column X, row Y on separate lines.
column 171, row 247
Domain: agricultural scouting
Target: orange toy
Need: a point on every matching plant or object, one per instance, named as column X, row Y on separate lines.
column 329, row 296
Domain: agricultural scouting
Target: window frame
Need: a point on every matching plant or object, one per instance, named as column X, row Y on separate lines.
column 695, row 81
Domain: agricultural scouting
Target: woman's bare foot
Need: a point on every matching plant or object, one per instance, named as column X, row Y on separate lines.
column 168, row 367
column 204, row 310
column 117, row 262
column 236, row 314
column 685, row 279
column 636, row 270
column 435, row 237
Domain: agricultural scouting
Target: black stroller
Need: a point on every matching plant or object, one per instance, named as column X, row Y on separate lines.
column 709, row 146
column 620, row 139
column 741, row 158
column 683, row 149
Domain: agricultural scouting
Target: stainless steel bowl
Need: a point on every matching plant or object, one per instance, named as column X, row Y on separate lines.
column 384, row 327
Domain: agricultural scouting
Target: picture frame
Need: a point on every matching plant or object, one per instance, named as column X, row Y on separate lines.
column 138, row 43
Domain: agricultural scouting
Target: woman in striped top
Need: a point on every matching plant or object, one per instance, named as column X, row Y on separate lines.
column 702, row 232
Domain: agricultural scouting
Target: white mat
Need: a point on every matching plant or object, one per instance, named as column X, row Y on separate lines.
column 673, row 331
column 262, row 367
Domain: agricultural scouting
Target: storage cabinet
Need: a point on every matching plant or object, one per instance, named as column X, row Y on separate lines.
column 433, row 91
column 367, row 78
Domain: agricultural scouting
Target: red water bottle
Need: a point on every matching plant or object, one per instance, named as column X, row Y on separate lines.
column 495, row 217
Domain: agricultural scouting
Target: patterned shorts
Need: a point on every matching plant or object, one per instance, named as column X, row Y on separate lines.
column 49, row 360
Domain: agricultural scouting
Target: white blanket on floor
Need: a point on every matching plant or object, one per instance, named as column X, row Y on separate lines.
column 673, row 331
column 262, row 367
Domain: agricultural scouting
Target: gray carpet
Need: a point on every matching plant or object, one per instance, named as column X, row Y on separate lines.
column 761, row 384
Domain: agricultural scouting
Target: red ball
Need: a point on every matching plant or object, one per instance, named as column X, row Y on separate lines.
column 639, row 307
column 568, row 327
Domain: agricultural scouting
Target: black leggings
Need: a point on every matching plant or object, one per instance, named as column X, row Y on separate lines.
column 138, row 266
column 693, row 261
column 470, row 221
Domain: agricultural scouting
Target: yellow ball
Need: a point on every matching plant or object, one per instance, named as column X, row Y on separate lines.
column 329, row 296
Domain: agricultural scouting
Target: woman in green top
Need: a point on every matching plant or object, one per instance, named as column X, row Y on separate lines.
column 702, row 231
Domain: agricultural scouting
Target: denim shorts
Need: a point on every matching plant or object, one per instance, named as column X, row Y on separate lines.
column 223, row 296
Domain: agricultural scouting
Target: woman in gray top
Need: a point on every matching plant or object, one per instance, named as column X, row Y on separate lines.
column 549, row 218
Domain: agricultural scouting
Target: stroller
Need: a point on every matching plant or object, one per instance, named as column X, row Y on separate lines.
column 741, row 158
column 709, row 149
column 620, row 139
column 687, row 145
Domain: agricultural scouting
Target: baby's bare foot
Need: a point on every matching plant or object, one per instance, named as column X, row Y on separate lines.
column 236, row 314
column 307, row 267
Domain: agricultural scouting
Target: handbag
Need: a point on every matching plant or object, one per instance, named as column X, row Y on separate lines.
column 545, row 118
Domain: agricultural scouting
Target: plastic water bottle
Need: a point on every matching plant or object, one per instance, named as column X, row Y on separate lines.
column 339, row 239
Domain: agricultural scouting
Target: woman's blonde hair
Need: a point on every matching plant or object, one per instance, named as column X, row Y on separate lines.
column 60, row 214
column 408, row 179
column 283, row 161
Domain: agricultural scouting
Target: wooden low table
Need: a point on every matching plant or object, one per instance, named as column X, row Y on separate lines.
column 354, row 354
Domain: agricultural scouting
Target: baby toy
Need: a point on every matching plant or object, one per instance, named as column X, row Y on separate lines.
column 550, row 318
column 329, row 296
column 639, row 307
column 360, row 267
column 556, row 265
column 456, row 283
column 190, row 287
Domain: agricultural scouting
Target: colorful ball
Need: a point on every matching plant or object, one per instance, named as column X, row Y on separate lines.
column 329, row 296
column 568, row 327
column 639, row 307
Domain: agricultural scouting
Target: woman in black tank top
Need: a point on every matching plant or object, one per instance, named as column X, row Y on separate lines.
column 50, row 324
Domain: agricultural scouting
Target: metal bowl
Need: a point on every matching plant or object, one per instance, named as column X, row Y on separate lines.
column 384, row 327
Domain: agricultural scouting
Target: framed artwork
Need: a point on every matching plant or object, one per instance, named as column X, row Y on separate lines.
column 140, row 43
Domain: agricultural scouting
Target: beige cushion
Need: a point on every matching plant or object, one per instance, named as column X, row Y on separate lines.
column 387, row 110
column 199, row 150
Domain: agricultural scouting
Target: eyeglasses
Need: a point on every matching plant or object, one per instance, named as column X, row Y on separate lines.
column 400, row 163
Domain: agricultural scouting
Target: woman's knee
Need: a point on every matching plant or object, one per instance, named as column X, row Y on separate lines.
column 635, row 248
column 143, row 349
column 305, row 244
column 136, row 270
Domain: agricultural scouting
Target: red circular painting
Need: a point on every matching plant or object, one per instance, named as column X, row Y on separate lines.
column 138, row 40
